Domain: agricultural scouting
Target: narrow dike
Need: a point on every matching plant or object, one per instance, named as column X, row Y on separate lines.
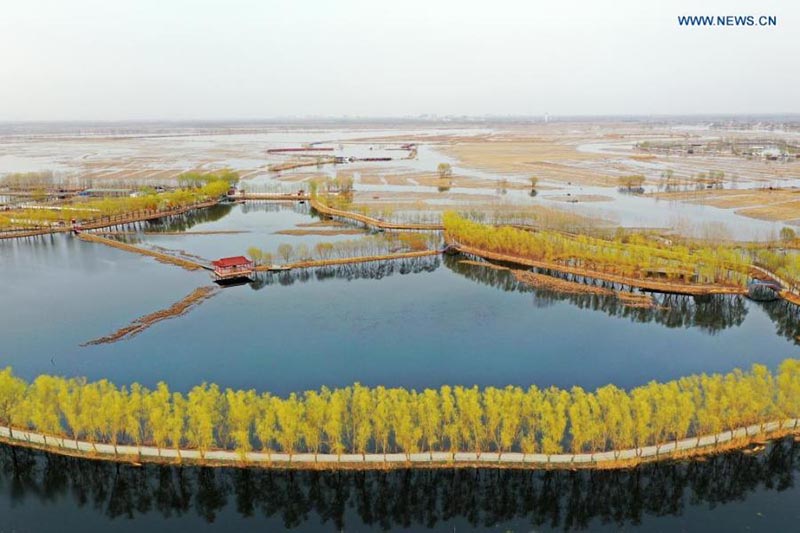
column 160, row 257
column 179, row 308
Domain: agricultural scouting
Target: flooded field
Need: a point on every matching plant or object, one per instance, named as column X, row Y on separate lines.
column 577, row 165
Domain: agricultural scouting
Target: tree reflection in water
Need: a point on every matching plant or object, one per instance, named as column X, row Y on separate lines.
column 786, row 317
column 711, row 313
column 397, row 498
column 369, row 270
column 184, row 221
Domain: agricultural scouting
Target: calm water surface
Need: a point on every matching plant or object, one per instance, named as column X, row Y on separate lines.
column 415, row 323
column 258, row 224
column 733, row 492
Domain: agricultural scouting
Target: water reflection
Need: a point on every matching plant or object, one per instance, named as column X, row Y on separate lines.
column 184, row 221
column 268, row 206
column 710, row 313
column 415, row 499
column 786, row 317
column 370, row 270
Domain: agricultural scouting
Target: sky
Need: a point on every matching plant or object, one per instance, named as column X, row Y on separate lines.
column 251, row 59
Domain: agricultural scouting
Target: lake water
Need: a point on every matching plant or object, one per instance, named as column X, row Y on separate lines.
column 733, row 492
column 254, row 223
column 414, row 323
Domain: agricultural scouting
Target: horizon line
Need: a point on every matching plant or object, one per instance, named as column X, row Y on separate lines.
column 428, row 117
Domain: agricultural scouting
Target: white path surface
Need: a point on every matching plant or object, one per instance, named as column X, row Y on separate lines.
column 510, row 458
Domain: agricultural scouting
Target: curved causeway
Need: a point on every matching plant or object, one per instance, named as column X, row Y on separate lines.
column 738, row 438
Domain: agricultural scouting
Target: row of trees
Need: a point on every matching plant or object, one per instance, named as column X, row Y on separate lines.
column 359, row 419
column 29, row 180
column 150, row 200
column 632, row 255
column 631, row 183
column 713, row 179
column 197, row 180
column 379, row 244
column 339, row 184
column 539, row 216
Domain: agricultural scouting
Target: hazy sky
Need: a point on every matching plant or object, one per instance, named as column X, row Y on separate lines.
column 176, row 59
